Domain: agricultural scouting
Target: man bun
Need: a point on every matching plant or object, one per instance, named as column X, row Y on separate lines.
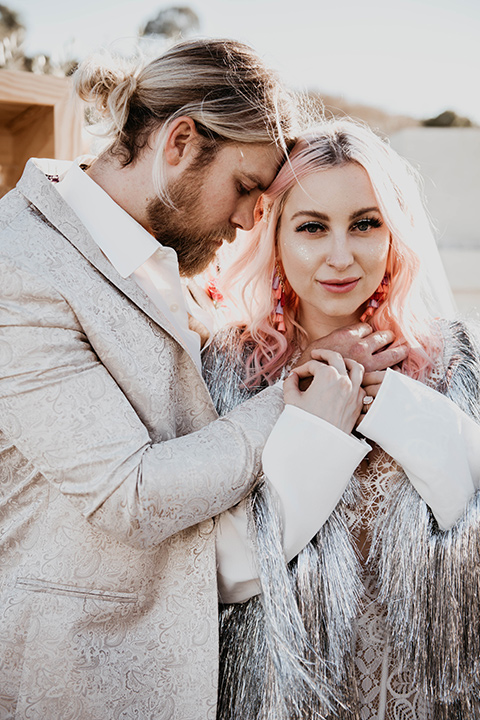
column 108, row 84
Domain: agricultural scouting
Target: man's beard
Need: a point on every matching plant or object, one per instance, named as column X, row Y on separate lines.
column 181, row 228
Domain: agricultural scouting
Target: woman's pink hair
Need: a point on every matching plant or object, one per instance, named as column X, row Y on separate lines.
column 395, row 184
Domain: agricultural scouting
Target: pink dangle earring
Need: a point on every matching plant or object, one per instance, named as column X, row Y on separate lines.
column 377, row 298
column 278, row 287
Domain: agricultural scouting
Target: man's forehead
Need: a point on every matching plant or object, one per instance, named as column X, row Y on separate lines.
column 260, row 164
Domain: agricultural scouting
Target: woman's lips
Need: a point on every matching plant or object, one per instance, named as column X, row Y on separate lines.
column 339, row 286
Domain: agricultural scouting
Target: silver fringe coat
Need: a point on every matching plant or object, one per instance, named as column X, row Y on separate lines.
column 288, row 653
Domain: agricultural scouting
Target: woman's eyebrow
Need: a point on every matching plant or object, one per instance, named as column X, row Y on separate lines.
column 323, row 216
column 363, row 211
column 310, row 213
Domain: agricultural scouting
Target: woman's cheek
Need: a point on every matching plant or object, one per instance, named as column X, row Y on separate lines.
column 300, row 253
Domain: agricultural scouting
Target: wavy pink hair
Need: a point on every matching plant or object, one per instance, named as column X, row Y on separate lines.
column 395, row 185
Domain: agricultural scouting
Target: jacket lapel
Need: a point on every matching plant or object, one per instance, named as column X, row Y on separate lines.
column 36, row 186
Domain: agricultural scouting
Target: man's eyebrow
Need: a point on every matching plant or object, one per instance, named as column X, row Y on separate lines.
column 256, row 181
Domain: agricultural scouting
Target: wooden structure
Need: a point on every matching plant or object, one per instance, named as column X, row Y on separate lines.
column 38, row 118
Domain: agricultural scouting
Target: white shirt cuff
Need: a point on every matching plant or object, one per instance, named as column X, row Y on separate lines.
column 434, row 441
column 237, row 575
column 309, row 463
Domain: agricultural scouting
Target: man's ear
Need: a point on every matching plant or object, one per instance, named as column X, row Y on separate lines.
column 181, row 141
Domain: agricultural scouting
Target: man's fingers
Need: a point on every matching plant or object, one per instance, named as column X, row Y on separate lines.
column 308, row 369
column 355, row 370
column 360, row 343
column 301, row 377
column 291, row 386
column 330, row 357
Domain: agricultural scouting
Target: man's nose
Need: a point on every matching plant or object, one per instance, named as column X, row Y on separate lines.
column 243, row 218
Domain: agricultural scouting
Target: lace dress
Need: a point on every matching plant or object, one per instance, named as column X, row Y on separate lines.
column 384, row 691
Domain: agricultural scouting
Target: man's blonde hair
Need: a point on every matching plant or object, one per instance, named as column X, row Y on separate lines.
column 221, row 84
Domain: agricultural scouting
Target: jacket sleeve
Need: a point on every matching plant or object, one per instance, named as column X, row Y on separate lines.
column 65, row 413
column 436, row 443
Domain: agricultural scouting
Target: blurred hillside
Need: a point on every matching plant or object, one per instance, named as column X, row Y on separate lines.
column 386, row 123
column 173, row 23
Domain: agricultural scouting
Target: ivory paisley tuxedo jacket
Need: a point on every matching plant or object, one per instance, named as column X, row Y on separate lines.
column 112, row 465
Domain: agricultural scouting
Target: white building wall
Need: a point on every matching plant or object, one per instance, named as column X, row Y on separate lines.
column 449, row 162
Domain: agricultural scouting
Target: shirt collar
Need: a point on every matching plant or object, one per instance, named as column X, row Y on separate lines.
column 122, row 239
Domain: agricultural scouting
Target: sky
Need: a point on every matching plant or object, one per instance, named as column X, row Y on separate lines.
column 412, row 57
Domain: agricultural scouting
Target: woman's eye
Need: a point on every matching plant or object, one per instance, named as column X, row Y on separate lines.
column 311, row 228
column 242, row 190
column 367, row 223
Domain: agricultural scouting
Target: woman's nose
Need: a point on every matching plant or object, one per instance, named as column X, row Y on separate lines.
column 339, row 254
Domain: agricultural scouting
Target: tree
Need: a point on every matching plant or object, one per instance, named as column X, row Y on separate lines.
column 12, row 55
column 172, row 23
column 12, row 35
column 448, row 118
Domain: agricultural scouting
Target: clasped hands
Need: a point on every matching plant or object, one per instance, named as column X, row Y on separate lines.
column 336, row 373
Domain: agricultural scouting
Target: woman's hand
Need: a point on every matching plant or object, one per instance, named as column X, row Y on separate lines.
column 372, row 348
column 371, row 384
column 335, row 393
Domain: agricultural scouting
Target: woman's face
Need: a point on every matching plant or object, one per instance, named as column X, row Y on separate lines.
column 333, row 244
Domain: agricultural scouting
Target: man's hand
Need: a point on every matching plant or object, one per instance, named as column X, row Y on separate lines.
column 335, row 393
column 360, row 343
